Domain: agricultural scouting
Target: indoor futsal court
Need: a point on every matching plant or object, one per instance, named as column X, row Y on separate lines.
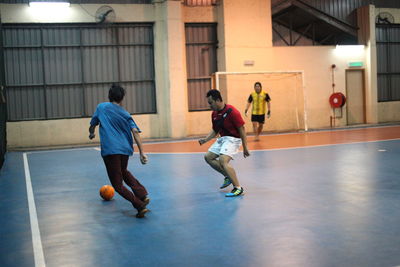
column 322, row 198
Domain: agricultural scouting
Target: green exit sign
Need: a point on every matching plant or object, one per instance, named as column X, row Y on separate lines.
column 356, row 64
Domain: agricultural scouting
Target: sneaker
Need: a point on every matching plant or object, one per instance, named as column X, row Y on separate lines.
column 141, row 212
column 146, row 200
column 226, row 183
column 235, row 192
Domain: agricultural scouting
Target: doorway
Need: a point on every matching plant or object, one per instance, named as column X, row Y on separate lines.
column 355, row 94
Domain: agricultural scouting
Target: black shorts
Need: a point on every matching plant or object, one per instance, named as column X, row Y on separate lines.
column 258, row 118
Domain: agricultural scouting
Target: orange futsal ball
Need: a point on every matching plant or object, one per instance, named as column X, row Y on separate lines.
column 107, row 192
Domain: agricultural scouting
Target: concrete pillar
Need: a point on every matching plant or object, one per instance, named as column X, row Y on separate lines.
column 366, row 23
column 170, row 67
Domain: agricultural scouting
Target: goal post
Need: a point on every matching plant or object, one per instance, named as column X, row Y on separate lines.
column 286, row 89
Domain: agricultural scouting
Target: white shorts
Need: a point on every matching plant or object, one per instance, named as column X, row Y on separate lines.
column 226, row 145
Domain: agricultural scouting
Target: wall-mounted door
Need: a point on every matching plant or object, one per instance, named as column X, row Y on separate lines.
column 355, row 97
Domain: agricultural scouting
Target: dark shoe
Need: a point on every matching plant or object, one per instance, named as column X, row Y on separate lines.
column 146, row 200
column 141, row 212
column 226, row 183
column 235, row 192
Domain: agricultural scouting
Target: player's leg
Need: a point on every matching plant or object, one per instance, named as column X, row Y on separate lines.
column 211, row 159
column 255, row 129
column 254, row 121
column 229, row 148
column 113, row 166
column 237, row 189
column 261, row 121
column 138, row 189
column 229, row 170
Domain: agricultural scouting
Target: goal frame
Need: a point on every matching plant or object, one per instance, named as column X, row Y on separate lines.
column 217, row 74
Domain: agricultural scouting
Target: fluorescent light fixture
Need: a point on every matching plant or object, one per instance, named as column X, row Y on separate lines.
column 349, row 50
column 49, row 4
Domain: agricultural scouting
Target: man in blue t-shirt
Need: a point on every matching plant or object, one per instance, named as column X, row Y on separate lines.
column 116, row 130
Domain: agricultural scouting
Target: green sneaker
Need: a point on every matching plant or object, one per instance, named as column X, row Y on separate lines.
column 235, row 192
column 226, row 183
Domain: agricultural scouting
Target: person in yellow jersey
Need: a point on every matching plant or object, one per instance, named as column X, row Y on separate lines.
column 259, row 100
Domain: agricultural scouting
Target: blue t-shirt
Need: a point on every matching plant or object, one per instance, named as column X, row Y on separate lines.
column 115, row 129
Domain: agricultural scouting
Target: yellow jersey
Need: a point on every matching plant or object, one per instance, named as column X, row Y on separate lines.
column 259, row 101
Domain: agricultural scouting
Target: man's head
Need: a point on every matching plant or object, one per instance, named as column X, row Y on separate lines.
column 116, row 93
column 257, row 87
column 214, row 99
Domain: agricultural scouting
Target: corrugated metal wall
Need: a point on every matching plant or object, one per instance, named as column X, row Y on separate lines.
column 201, row 62
column 388, row 55
column 344, row 9
column 3, row 109
column 64, row 71
column 340, row 9
column 386, row 3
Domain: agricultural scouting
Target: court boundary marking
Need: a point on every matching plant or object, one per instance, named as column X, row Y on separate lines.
column 254, row 150
column 35, row 231
column 38, row 252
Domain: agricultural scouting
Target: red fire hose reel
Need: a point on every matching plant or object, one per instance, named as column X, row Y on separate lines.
column 337, row 100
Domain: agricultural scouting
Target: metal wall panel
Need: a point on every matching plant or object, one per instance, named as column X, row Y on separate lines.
column 198, row 89
column 341, row 9
column 201, row 62
column 64, row 101
column 3, row 106
column 62, row 65
column 23, row 66
column 95, row 94
column 344, row 9
column 21, row 37
column 386, row 3
column 25, row 102
column 141, row 95
column 64, row 71
column 99, row 36
column 61, row 36
column 133, row 65
column 100, row 64
column 388, row 63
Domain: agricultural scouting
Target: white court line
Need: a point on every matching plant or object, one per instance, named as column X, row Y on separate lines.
column 36, row 240
column 270, row 149
column 311, row 146
column 58, row 150
column 275, row 149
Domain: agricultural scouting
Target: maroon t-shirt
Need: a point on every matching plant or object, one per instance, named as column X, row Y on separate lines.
column 227, row 121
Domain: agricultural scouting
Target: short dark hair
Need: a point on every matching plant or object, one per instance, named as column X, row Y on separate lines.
column 116, row 93
column 258, row 84
column 215, row 94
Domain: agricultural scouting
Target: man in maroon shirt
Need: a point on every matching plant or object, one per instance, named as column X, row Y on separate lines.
column 229, row 124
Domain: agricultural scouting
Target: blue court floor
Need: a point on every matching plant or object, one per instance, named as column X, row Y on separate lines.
column 333, row 205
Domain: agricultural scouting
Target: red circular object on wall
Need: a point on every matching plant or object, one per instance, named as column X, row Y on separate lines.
column 337, row 100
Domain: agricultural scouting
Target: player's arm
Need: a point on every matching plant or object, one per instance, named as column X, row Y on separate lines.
column 242, row 134
column 91, row 131
column 249, row 100
column 93, row 123
column 138, row 141
column 268, row 100
column 210, row 136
